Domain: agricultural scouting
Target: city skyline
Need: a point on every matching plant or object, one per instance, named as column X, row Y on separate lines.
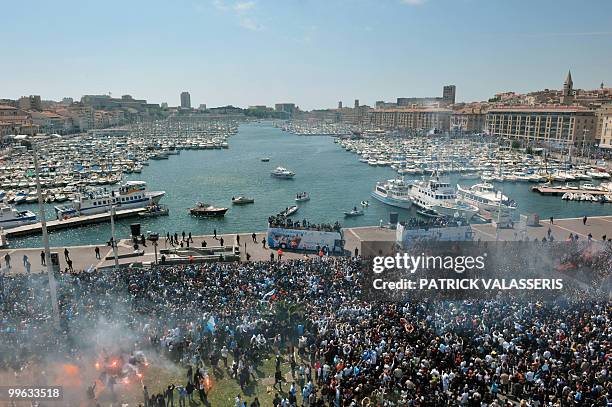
column 308, row 53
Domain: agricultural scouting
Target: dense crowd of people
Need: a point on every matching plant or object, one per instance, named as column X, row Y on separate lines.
column 331, row 348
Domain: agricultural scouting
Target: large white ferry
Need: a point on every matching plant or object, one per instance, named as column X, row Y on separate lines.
column 130, row 195
column 394, row 192
column 440, row 197
column 11, row 217
column 485, row 197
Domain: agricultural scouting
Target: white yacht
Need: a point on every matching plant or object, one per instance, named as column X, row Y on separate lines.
column 130, row 195
column 440, row 197
column 485, row 197
column 11, row 217
column 394, row 192
column 280, row 172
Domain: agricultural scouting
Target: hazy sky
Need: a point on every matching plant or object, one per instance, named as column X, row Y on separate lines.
column 310, row 52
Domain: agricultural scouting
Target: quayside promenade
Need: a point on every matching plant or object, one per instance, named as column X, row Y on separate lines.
column 84, row 257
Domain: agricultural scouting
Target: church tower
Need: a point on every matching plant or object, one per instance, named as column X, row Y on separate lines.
column 568, row 89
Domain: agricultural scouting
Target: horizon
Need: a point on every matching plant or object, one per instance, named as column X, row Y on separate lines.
column 254, row 52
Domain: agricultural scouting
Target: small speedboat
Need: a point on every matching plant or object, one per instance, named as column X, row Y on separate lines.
column 242, row 200
column 289, row 211
column 353, row 213
column 202, row 209
column 365, row 204
column 154, row 210
column 302, row 197
column 429, row 213
column 265, row 159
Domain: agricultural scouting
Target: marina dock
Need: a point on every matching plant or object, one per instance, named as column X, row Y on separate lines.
column 561, row 191
column 76, row 221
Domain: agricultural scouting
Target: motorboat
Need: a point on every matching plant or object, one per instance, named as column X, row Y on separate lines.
column 242, row 200
column 354, row 212
column 393, row 192
column 441, row 198
column 11, row 217
column 281, row 172
column 289, row 211
column 203, row 209
column 365, row 204
column 302, row 197
column 470, row 176
column 485, row 197
column 153, row 211
column 265, row 159
column 428, row 213
column 131, row 195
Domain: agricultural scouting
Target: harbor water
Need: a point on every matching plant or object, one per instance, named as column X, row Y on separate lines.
column 335, row 179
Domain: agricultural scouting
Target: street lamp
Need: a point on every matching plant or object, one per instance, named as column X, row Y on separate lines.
column 153, row 238
column 113, row 240
column 31, row 145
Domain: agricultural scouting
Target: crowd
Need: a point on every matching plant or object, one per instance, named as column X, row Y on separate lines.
column 340, row 350
column 281, row 221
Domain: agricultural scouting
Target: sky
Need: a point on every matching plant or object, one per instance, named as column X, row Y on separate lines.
column 310, row 52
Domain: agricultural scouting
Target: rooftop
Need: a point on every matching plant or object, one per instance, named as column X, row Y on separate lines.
column 549, row 108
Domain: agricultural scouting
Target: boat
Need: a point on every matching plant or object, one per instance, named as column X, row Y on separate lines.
column 154, row 210
column 302, row 197
column 365, row 204
column 485, row 197
column 281, row 172
column 470, row 175
column 289, row 211
column 242, row 200
column 130, row 195
column 441, row 198
column 393, row 192
column 11, row 217
column 354, row 212
column 203, row 209
column 265, row 159
column 429, row 213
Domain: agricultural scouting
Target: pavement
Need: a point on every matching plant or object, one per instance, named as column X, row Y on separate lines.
column 83, row 257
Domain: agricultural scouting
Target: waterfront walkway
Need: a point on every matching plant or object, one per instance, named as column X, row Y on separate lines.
column 83, row 257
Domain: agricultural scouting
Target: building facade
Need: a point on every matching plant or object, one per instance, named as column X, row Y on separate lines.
column 185, row 100
column 448, row 94
column 468, row 120
column 556, row 125
column 418, row 119
column 604, row 126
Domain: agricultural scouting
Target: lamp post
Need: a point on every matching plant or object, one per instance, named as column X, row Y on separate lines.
column 153, row 238
column 113, row 240
column 43, row 224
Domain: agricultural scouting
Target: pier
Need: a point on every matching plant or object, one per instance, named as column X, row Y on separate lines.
column 76, row 221
column 559, row 191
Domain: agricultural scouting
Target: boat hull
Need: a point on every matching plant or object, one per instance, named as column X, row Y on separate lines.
column 387, row 200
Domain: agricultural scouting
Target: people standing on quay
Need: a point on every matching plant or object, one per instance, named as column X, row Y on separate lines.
column 66, row 254
column 7, row 260
column 43, row 262
column 97, row 251
column 25, row 260
column 254, row 237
